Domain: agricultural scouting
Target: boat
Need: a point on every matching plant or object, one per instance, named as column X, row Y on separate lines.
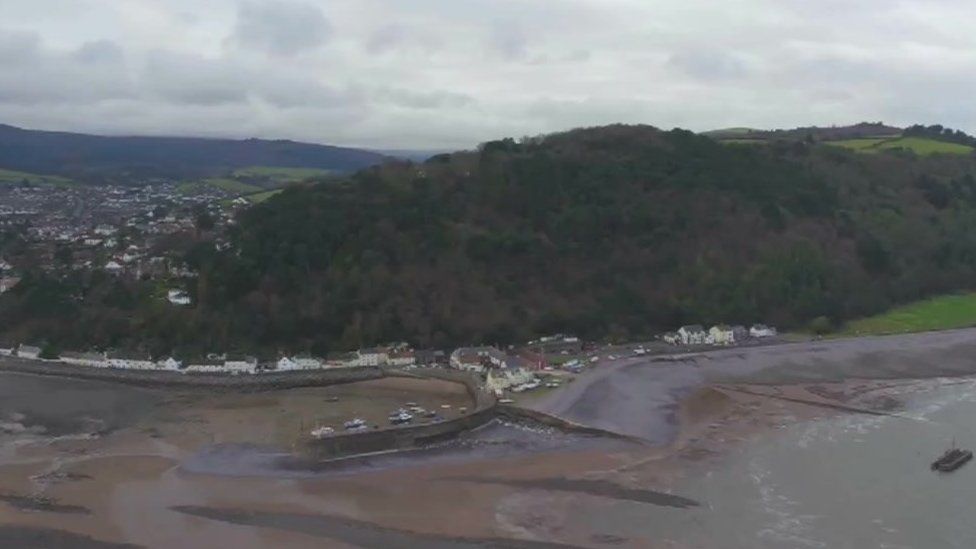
column 401, row 418
column 952, row 459
column 323, row 432
column 355, row 424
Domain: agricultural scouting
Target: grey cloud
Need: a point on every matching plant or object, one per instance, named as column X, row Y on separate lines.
column 422, row 99
column 709, row 64
column 509, row 40
column 100, row 51
column 280, row 27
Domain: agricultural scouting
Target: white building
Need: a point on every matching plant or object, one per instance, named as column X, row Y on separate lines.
column 721, row 335
column 179, row 297
column 6, row 351
column 373, row 357
column 761, row 330
column 170, row 364
column 88, row 360
column 403, row 358
column 692, row 335
column 7, row 283
column 247, row 365
column 498, row 381
column 113, row 267
column 128, row 363
column 29, row 352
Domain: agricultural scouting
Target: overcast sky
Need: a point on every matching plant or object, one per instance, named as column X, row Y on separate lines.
column 451, row 73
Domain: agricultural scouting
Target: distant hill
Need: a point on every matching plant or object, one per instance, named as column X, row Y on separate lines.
column 612, row 232
column 818, row 133
column 101, row 158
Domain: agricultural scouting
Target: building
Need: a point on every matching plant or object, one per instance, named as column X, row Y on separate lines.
column 240, row 365
column 477, row 359
column 721, row 335
column 404, row 357
column 672, row 338
column 740, row 333
column 170, row 364
column 500, row 380
column 693, row 334
column 123, row 362
column 179, row 297
column 113, row 267
column 88, row 360
column 7, row 283
column 556, row 344
column 761, row 331
column 376, row 356
column 29, row 352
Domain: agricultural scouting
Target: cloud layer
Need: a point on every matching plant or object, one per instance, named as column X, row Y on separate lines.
column 444, row 74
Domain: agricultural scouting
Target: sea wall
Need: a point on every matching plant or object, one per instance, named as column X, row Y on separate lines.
column 263, row 382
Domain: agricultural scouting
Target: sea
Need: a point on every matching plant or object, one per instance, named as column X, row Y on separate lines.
column 848, row 481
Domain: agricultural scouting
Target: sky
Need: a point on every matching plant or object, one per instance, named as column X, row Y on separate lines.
column 445, row 74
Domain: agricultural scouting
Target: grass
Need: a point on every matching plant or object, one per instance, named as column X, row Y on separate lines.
column 938, row 313
column 282, row 175
column 14, row 177
column 229, row 185
column 258, row 198
column 918, row 145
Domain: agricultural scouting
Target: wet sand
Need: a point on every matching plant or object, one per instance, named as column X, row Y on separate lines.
column 191, row 470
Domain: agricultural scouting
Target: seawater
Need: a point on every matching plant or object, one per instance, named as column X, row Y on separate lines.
column 850, row 481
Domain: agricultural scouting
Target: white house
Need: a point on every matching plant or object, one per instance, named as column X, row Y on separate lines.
column 6, row 351
column 373, row 357
column 307, row 363
column 286, row 364
column 7, row 283
column 671, row 338
column 179, row 297
column 498, row 381
column 29, row 352
column 113, row 267
column 692, row 335
column 128, row 363
column 204, row 367
column 247, row 365
column 761, row 330
column 721, row 335
column 170, row 364
column 88, row 360
column 404, row 357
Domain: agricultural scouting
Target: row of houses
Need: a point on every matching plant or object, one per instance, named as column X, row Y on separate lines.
column 721, row 334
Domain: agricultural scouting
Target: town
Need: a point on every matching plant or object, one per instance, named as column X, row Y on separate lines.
column 542, row 363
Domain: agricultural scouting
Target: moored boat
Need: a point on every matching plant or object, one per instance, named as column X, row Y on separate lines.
column 951, row 460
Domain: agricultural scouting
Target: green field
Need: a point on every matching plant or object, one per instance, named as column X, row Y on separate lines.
column 918, row 145
column 258, row 198
column 10, row 176
column 938, row 313
column 229, row 185
column 281, row 175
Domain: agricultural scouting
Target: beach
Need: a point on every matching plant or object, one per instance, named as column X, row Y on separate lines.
column 117, row 465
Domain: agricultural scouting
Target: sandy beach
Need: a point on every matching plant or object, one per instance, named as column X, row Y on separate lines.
column 157, row 469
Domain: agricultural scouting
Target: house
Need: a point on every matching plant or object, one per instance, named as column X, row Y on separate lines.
column 739, row 333
column 170, row 364
column 556, row 344
column 6, row 351
column 129, row 363
column 477, row 359
column 113, row 267
column 376, row 356
column 205, row 367
column 403, row 357
column 721, row 335
column 88, row 360
column 761, row 331
column 500, row 380
column 672, row 338
column 179, row 297
column 7, row 283
column 29, row 352
column 240, row 365
column 693, row 334
column 308, row 363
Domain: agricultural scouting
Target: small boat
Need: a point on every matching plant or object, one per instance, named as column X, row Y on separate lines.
column 401, row 418
column 355, row 424
column 952, row 459
column 323, row 432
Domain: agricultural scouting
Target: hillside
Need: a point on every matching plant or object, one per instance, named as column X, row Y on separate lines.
column 98, row 158
column 611, row 232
